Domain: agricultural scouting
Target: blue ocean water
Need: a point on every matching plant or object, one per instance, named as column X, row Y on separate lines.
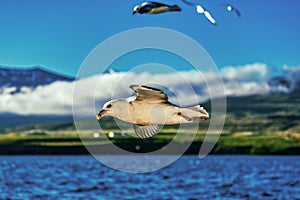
column 214, row 177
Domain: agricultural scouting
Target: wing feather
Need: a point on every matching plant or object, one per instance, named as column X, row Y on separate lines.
column 153, row 95
column 145, row 132
column 156, row 4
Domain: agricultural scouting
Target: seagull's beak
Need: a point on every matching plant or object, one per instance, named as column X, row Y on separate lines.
column 133, row 13
column 100, row 114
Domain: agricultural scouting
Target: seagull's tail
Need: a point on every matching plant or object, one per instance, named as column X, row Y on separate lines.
column 194, row 113
column 203, row 113
column 175, row 8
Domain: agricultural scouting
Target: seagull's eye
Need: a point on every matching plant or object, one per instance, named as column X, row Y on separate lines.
column 108, row 106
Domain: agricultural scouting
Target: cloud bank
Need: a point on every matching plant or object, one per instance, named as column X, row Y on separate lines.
column 184, row 88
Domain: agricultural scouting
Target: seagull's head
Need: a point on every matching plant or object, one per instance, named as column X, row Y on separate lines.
column 106, row 110
column 200, row 9
column 229, row 8
column 112, row 108
column 136, row 9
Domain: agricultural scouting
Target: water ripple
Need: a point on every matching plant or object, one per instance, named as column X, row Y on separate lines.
column 217, row 177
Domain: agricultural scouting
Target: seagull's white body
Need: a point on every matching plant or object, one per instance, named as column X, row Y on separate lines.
column 201, row 10
column 149, row 108
column 146, row 113
column 208, row 16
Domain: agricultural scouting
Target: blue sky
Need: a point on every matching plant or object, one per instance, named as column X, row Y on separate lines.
column 58, row 35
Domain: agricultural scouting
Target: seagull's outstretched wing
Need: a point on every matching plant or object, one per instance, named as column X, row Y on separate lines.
column 148, row 6
column 154, row 4
column 188, row 3
column 145, row 93
column 147, row 131
column 238, row 13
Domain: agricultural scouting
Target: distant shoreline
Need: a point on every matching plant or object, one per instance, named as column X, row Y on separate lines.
column 81, row 150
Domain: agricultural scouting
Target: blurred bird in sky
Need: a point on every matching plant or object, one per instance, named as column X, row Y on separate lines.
column 201, row 10
column 230, row 8
column 154, row 8
column 150, row 108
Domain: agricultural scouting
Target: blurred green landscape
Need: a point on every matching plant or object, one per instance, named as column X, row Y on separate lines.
column 258, row 124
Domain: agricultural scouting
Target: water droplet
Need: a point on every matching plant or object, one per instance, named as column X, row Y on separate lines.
column 137, row 147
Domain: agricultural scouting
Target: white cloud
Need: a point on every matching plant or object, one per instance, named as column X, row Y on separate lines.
column 291, row 68
column 50, row 99
column 293, row 73
column 184, row 88
column 250, row 72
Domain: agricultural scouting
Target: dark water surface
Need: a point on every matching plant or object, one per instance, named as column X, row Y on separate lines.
column 214, row 177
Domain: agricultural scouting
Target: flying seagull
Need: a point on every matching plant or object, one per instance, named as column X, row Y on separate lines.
column 150, row 108
column 154, row 8
column 201, row 10
column 230, row 8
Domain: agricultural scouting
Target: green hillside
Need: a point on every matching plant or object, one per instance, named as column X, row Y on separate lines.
column 267, row 124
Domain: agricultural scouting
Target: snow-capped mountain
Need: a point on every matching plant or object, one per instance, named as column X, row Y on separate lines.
column 111, row 71
column 13, row 79
column 285, row 84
